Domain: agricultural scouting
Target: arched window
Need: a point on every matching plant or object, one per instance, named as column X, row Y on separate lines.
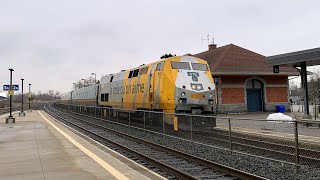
column 254, row 84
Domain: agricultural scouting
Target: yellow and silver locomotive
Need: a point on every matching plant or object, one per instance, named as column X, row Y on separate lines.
column 173, row 85
column 176, row 84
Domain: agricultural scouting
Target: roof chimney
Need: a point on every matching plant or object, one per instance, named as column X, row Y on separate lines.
column 212, row 46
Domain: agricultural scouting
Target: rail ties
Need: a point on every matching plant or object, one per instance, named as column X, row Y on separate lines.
column 170, row 161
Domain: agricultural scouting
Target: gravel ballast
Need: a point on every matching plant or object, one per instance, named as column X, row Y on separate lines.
column 266, row 168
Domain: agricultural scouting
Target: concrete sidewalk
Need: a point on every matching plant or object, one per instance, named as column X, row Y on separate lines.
column 32, row 149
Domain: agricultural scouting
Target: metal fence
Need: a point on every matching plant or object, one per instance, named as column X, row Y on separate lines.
column 291, row 142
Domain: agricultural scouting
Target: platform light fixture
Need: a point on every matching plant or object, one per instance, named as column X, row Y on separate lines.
column 22, row 113
column 29, row 98
column 10, row 118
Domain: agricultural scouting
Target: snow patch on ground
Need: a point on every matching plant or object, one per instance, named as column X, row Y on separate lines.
column 279, row 117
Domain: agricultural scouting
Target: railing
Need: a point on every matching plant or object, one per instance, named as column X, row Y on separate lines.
column 290, row 142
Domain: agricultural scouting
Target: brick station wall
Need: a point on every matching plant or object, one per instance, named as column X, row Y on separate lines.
column 277, row 94
column 231, row 93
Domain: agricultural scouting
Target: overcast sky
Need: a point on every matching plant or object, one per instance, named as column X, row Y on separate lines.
column 55, row 43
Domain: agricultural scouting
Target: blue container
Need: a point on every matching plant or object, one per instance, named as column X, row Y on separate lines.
column 281, row 108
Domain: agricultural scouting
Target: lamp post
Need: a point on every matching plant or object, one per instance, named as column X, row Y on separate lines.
column 10, row 118
column 83, row 82
column 22, row 113
column 95, row 77
column 74, row 85
column 29, row 110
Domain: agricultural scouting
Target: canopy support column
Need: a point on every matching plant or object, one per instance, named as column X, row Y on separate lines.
column 304, row 83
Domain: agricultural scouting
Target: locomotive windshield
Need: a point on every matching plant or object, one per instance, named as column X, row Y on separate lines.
column 199, row 67
column 180, row 65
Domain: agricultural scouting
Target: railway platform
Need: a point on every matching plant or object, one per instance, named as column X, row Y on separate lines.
column 37, row 147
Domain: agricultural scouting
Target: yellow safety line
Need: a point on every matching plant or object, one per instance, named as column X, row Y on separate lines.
column 102, row 163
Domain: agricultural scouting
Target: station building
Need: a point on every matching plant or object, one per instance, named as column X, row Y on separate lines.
column 244, row 82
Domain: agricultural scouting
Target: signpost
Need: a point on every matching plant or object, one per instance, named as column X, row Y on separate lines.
column 276, row 69
column 217, row 80
column 7, row 87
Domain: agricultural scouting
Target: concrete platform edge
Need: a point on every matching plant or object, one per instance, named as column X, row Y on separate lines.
column 101, row 146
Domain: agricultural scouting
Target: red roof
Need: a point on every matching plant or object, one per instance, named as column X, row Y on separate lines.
column 235, row 60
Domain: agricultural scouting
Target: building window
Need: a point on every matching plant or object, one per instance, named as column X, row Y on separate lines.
column 254, row 84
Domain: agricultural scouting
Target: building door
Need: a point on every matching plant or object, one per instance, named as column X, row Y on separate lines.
column 254, row 96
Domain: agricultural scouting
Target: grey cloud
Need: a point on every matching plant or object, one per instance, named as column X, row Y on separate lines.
column 55, row 43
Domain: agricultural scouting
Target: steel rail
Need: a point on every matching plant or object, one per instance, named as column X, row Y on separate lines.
column 213, row 165
column 169, row 169
column 274, row 147
column 307, row 155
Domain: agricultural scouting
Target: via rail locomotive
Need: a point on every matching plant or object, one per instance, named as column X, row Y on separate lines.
column 179, row 84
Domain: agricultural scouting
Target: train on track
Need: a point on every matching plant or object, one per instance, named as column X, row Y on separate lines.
column 179, row 84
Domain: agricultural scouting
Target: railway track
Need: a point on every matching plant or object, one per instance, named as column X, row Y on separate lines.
column 271, row 148
column 283, row 150
column 17, row 107
column 173, row 162
column 7, row 109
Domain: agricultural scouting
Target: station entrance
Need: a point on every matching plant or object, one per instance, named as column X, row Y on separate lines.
column 254, row 90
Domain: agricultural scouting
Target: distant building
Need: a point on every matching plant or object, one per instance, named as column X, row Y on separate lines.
column 244, row 83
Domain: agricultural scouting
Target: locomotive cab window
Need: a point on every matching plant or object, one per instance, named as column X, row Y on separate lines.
column 180, row 65
column 143, row 70
column 199, row 67
column 159, row 67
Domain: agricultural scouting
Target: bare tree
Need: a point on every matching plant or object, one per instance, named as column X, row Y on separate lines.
column 87, row 82
column 57, row 93
column 314, row 86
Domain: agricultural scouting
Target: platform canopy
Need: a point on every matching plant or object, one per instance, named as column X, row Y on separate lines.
column 302, row 59
column 310, row 56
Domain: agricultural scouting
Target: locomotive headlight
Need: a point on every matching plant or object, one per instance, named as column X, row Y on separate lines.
column 183, row 94
column 197, row 87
